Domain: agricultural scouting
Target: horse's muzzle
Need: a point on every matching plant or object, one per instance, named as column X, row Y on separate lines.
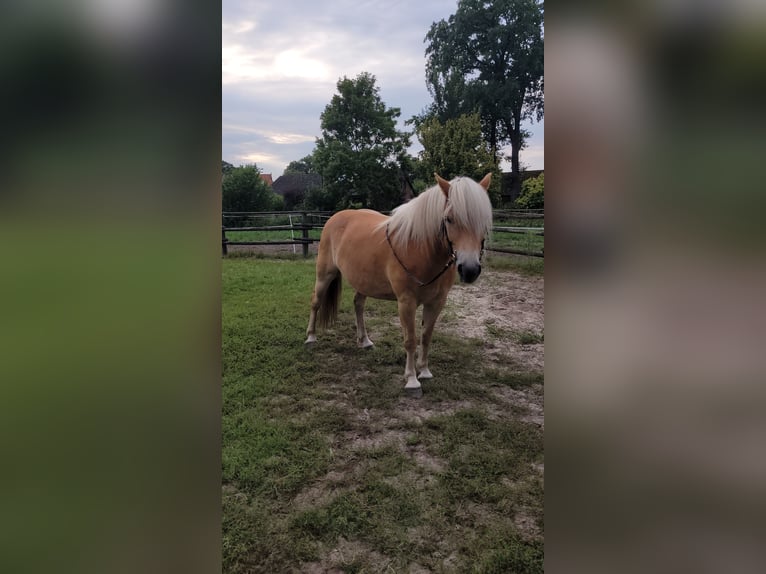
column 468, row 273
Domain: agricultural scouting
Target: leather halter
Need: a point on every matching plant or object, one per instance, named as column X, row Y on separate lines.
column 450, row 261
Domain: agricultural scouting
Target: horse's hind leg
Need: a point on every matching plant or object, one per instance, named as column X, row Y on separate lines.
column 311, row 330
column 325, row 276
column 361, row 332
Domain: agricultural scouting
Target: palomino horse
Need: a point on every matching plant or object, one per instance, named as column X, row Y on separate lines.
column 411, row 257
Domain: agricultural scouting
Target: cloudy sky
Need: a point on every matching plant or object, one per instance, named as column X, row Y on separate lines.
column 282, row 61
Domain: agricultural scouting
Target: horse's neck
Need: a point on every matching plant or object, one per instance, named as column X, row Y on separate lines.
column 439, row 246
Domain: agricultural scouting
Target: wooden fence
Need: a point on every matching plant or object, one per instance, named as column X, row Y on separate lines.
column 302, row 222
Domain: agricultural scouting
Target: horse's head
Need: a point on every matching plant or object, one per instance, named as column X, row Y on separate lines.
column 467, row 218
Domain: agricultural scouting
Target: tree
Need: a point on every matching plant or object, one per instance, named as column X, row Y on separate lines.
column 532, row 193
column 488, row 57
column 226, row 167
column 303, row 165
column 244, row 190
column 360, row 150
column 456, row 147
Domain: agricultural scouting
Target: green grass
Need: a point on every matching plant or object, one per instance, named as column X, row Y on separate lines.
column 523, row 264
column 521, row 337
column 283, row 235
column 528, row 241
column 298, row 474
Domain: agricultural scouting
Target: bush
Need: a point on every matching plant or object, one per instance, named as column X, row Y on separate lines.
column 532, row 193
column 244, row 190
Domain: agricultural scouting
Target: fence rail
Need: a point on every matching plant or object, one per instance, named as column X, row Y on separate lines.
column 310, row 220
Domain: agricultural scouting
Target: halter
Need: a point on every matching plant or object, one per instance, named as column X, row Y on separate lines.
column 450, row 261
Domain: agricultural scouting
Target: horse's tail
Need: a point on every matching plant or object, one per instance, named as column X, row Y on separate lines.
column 328, row 305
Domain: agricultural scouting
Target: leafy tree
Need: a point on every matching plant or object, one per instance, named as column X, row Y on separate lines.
column 226, row 167
column 417, row 172
column 320, row 199
column 488, row 57
column 532, row 193
column 303, row 165
column 360, row 150
column 456, row 147
column 244, row 190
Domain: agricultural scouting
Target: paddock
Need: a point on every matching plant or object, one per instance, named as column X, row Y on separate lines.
column 329, row 467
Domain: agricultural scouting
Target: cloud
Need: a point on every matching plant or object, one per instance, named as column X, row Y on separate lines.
column 259, row 158
column 533, row 157
column 281, row 62
column 275, row 137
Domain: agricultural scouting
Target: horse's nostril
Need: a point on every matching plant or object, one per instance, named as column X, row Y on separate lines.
column 460, row 268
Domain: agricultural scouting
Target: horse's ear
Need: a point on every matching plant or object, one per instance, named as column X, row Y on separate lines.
column 443, row 183
column 486, row 181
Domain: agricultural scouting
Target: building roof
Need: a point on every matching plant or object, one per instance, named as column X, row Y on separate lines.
column 266, row 177
column 296, row 183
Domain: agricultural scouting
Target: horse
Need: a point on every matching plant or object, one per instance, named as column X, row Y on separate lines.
column 412, row 257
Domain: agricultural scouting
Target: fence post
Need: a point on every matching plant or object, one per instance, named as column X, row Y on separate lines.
column 304, row 221
column 224, row 241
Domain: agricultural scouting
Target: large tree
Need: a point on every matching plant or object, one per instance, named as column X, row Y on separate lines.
column 303, row 165
column 488, row 57
column 456, row 147
column 360, row 150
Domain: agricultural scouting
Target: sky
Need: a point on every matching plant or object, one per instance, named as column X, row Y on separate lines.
column 282, row 61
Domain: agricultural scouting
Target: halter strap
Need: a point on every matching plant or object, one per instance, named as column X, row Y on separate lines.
column 450, row 261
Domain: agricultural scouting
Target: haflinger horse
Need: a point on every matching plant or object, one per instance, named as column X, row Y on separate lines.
column 411, row 257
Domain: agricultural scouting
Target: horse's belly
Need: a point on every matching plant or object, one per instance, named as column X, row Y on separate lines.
column 366, row 278
column 361, row 255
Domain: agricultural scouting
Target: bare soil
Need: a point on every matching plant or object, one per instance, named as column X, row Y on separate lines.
column 494, row 309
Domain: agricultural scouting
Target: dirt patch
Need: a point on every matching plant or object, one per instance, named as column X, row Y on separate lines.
column 322, row 491
column 344, row 553
column 530, row 401
column 496, row 309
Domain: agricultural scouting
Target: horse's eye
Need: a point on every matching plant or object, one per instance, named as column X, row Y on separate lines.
column 449, row 219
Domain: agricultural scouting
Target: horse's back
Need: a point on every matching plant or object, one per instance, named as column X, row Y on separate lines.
column 351, row 225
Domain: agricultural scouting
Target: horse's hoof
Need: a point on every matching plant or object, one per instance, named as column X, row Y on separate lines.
column 366, row 344
column 413, row 389
column 414, row 393
column 425, row 374
column 310, row 341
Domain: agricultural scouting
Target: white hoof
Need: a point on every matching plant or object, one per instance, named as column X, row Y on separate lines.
column 311, row 340
column 366, row 343
column 425, row 374
column 413, row 388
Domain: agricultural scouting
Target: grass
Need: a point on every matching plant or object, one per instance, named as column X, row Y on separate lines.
column 523, row 264
column 521, row 337
column 282, row 235
column 526, row 241
column 322, row 453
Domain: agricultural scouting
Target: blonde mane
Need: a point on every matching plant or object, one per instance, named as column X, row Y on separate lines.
column 420, row 220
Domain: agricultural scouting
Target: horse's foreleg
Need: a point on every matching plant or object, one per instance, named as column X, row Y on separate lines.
column 407, row 308
column 361, row 332
column 430, row 314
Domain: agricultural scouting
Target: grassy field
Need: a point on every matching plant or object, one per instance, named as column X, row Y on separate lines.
column 270, row 235
column 328, row 467
column 527, row 241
